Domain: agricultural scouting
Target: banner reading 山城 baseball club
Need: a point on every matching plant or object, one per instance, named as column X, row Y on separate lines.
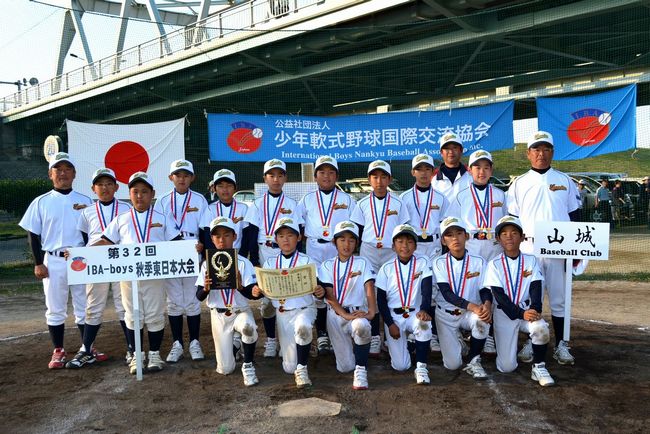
column 388, row 136
column 126, row 149
column 590, row 125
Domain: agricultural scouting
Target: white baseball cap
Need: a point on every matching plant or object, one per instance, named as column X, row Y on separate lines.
column 449, row 138
column 326, row 159
column 224, row 174
column 104, row 171
column 540, row 137
column 379, row 165
column 508, row 220
column 181, row 165
column 346, row 226
column 422, row 159
column 141, row 176
column 60, row 157
column 479, row 155
column 451, row 222
column 404, row 229
column 582, row 182
column 286, row 222
column 224, row 222
column 275, row 164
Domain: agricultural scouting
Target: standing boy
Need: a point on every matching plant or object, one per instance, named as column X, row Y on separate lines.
column 452, row 176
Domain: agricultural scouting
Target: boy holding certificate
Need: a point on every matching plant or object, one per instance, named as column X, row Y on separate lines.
column 229, row 309
column 295, row 316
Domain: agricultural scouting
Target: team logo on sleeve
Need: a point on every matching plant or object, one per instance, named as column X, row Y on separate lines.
column 590, row 126
column 192, row 209
column 79, row 206
column 78, row 263
column 340, row 206
column 497, row 204
column 555, row 187
column 245, row 137
column 527, row 273
column 155, row 225
column 471, row 274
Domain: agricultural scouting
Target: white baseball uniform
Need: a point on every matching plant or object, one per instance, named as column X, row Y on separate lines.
column 184, row 211
column 236, row 212
column 93, row 221
column 320, row 213
column 53, row 216
column 480, row 210
column 442, row 184
column 230, row 312
column 515, row 276
column 348, row 280
column 136, row 227
column 402, row 285
column 465, row 280
column 426, row 209
column 378, row 217
column 545, row 197
column 295, row 316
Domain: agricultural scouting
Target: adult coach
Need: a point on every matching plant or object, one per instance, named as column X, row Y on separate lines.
column 51, row 223
column 545, row 194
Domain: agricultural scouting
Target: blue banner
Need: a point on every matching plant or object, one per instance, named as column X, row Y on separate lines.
column 388, row 136
column 586, row 126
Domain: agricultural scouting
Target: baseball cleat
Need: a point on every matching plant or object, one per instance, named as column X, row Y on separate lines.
column 133, row 364
column 434, row 344
column 99, row 356
column 422, row 373
column 80, row 359
column 196, row 352
column 58, row 359
column 324, row 346
column 155, row 362
column 176, row 353
column 360, row 381
column 475, row 369
column 562, row 354
column 302, row 377
column 271, row 347
column 248, row 371
column 541, row 375
column 129, row 355
column 525, row 355
column 489, row 348
column 375, row 346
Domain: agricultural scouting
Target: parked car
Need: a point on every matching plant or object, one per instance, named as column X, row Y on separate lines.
column 245, row 196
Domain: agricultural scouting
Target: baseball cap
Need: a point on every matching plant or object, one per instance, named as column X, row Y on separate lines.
column 326, row 159
column 60, row 157
column 645, row 178
column 346, row 226
column 224, row 174
column 104, row 171
column 449, row 138
column 224, row 222
column 451, row 222
column 275, row 164
column 404, row 229
column 181, row 165
column 508, row 220
column 582, row 182
column 540, row 137
column 422, row 159
column 479, row 155
column 379, row 165
column 286, row 223
column 140, row 176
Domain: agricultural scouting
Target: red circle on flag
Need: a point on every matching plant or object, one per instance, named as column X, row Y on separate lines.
column 587, row 131
column 244, row 140
column 125, row 158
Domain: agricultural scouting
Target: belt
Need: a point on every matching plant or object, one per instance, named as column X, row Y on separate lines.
column 224, row 310
column 59, row 254
column 401, row 310
column 455, row 312
column 322, row 241
column 187, row 234
column 270, row 244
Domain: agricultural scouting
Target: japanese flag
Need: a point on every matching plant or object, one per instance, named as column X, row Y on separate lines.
column 126, row 149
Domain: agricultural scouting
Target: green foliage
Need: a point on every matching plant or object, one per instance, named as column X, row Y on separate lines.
column 16, row 195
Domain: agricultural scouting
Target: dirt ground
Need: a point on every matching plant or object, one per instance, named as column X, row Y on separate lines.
column 606, row 391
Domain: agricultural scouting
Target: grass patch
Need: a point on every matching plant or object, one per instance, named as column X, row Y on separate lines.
column 16, row 270
column 630, row 277
column 9, row 230
column 21, row 288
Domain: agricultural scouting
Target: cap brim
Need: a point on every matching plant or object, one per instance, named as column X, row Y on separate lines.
column 182, row 170
column 62, row 161
column 539, row 143
column 221, row 226
column 338, row 234
column 411, row 233
column 453, row 226
column 379, row 168
column 500, row 227
column 136, row 180
column 224, row 178
column 104, row 175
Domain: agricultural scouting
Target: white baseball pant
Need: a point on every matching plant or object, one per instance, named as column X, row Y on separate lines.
column 320, row 252
column 96, row 296
column 181, row 297
column 448, row 326
column 400, row 359
column 294, row 327
column 56, row 288
column 223, row 328
column 429, row 250
column 377, row 257
column 151, row 298
column 267, row 310
column 486, row 249
column 554, row 274
column 506, row 332
column 342, row 333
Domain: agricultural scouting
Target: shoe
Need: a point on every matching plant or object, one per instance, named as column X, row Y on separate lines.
column 490, row 348
column 155, row 362
column 475, row 369
column 133, row 364
column 375, row 346
column 176, row 353
column 541, row 375
column 196, row 352
column 128, row 357
column 58, row 359
column 421, row 373
column 562, row 354
column 82, row 358
column 526, row 353
column 434, row 344
column 302, row 377
column 248, row 371
column 99, row 356
column 271, row 347
column 360, row 381
column 324, row 346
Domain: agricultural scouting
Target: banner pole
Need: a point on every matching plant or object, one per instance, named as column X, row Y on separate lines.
column 136, row 327
column 568, row 283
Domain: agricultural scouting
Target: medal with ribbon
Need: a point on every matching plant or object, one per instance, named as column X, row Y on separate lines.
column 341, row 281
column 483, row 211
column 379, row 221
column 278, row 265
column 457, row 287
column 186, row 201
column 228, row 298
column 513, row 286
column 270, row 220
column 100, row 214
column 405, row 289
column 326, row 215
column 142, row 233
column 423, row 219
column 231, row 212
